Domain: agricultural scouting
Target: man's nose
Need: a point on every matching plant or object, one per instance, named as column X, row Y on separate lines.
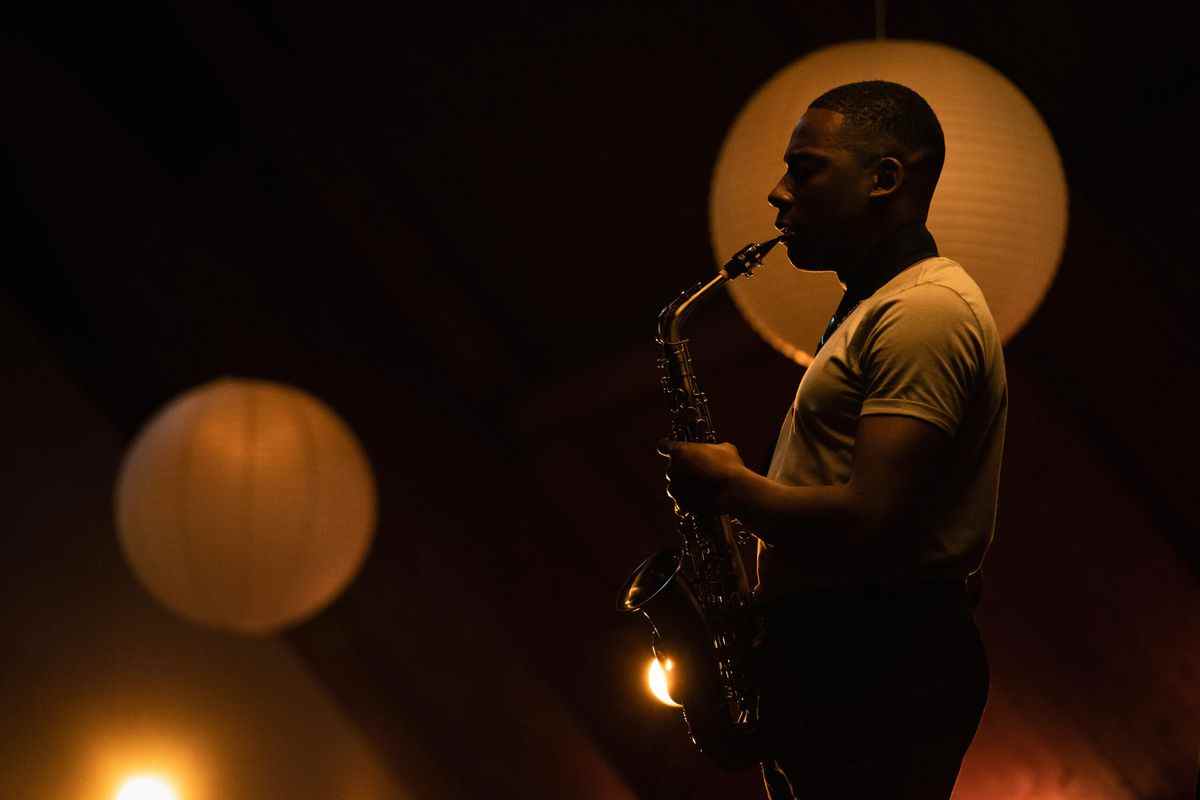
column 779, row 196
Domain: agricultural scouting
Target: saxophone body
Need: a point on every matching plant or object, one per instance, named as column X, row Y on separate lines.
column 696, row 596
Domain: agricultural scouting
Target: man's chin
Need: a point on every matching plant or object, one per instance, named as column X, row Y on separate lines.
column 806, row 261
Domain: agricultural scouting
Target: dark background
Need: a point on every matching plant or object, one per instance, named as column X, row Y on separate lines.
column 455, row 224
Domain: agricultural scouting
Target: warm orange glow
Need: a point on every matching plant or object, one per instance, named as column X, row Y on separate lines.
column 145, row 762
column 656, row 678
column 146, row 787
column 1001, row 204
column 245, row 505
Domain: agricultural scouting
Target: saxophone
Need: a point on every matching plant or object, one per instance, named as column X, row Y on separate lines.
column 696, row 597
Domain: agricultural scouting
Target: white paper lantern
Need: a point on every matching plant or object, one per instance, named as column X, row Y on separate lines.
column 245, row 505
column 1000, row 208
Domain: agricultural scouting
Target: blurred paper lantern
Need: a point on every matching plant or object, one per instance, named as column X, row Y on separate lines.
column 245, row 505
column 1000, row 208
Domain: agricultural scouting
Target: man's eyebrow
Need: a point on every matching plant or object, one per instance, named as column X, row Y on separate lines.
column 804, row 155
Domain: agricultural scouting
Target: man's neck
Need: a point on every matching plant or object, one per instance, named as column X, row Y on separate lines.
column 893, row 252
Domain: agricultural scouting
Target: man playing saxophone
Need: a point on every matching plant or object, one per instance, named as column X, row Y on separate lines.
column 880, row 499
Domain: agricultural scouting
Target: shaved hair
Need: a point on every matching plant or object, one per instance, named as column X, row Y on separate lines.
column 882, row 117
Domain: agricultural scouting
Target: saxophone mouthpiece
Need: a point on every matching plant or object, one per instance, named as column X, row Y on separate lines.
column 766, row 246
column 749, row 257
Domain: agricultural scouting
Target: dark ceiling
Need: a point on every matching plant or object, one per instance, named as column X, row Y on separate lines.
column 454, row 224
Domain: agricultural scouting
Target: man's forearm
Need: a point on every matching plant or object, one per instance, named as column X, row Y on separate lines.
column 824, row 525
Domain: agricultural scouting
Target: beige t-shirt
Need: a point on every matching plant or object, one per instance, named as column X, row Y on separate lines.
column 923, row 345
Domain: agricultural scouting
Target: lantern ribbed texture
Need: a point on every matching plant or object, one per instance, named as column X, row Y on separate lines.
column 1000, row 208
column 245, row 505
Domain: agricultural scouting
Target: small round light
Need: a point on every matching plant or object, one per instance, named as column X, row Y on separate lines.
column 656, row 678
column 146, row 787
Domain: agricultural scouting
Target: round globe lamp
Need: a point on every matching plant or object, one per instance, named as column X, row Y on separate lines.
column 1000, row 208
column 245, row 505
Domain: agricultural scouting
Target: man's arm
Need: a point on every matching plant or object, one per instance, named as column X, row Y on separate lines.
column 839, row 529
column 920, row 363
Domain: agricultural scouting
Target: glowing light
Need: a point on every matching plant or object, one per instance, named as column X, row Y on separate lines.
column 1000, row 208
column 146, row 787
column 656, row 677
column 245, row 505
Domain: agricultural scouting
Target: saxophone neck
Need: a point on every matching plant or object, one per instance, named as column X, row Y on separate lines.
column 672, row 318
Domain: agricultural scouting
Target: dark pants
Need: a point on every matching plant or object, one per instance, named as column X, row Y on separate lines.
column 869, row 694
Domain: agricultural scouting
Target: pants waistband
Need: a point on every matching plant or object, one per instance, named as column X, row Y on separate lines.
column 963, row 592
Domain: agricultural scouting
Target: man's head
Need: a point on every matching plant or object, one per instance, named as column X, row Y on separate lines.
column 863, row 160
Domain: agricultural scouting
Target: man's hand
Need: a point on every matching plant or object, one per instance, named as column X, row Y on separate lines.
column 698, row 475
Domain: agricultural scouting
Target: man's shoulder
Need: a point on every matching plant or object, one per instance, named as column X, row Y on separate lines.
column 937, row 271
column 937, row 285
column 934, row 306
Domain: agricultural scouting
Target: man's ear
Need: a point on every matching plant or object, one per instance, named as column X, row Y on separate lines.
column 889, row 176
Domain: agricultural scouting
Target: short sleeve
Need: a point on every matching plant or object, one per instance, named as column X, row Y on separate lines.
column 922, row 356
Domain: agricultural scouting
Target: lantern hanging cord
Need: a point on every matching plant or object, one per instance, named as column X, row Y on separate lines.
column 880, row 19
